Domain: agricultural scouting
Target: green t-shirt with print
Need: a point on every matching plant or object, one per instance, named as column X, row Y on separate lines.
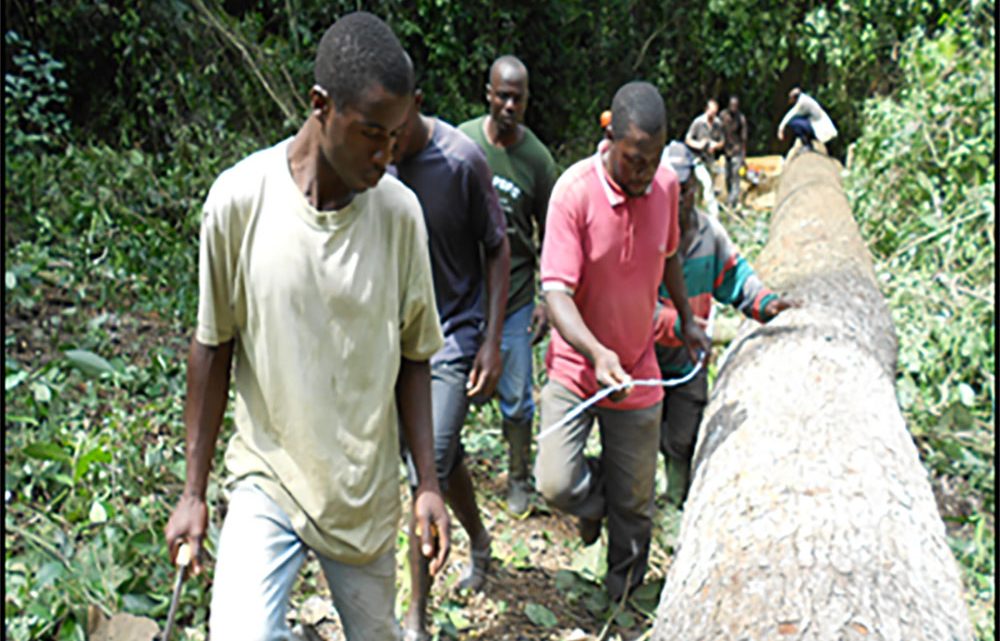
column 523, row 175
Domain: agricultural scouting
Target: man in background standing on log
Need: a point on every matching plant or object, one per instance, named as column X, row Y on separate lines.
column 314, row 270
column 734, row 130
column 712, row 270
column 465, row 225
column 807, row 120
column 705, row 138
column 611, row 239
column 523, row 175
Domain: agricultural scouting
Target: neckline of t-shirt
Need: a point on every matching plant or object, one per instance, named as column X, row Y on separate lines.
column 509, row 149
column 326, row 220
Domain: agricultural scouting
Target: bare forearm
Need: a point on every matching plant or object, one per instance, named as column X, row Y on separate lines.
column 413, row 398
column 207, row 393
column 497, row 287
column 673, row 278
column 565, row 317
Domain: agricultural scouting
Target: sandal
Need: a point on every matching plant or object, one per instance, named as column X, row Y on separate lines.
column 474, row 574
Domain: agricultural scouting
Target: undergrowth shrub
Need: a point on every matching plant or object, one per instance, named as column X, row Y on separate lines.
column 922, row 182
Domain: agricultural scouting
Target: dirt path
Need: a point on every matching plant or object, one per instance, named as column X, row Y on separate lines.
column 538, row 562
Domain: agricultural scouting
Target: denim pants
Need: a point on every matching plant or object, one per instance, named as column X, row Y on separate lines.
column 259, row 557
column 516, row 403
column 802, row 129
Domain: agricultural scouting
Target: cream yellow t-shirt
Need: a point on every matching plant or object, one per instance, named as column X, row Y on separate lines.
column 322, row 305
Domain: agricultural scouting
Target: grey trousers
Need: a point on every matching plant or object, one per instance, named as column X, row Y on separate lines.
column 618, row 485
column 733, row 164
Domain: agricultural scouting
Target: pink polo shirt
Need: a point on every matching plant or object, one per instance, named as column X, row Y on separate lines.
column 608, row 250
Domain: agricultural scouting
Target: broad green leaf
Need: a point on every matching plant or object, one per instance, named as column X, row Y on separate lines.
column 13, row 380
column 625, row 619
column 906, row 392
column 649, row 590
column 10, row 280
column 42, row 392
column 96, row 455
column 565, row 580
column 139, row 604
column 98, row 514
column 540, row 615
column 458, row 619
column 966, row 395
column 47, row 451
column 49, row 572
column 596, row 602
column 88, row 362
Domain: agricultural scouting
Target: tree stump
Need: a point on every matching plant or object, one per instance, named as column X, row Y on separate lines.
column 810, row 515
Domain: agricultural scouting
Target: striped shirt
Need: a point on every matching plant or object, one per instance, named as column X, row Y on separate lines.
column 712, row 270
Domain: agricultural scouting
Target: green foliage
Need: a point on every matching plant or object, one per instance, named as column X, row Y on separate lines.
column 923, row 184
column 34, row 99
column 118, row 117
column 91, row 447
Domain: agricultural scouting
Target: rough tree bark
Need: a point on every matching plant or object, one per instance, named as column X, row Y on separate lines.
column 810, row 515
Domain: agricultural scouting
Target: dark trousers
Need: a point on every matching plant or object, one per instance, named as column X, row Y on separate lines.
column 618, row 485
column 733, row 164
column 683, row 407
column 803, row 129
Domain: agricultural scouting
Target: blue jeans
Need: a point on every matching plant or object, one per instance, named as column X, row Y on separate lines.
column 516, row 403
column 802, row 129
column 259, row 557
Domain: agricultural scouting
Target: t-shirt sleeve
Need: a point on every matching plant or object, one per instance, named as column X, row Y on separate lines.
column 419, row 328
column 218, row 253
column 484, row 202
column 547, row 175
column 562, row 252
column 695, row 130
column 673, row 239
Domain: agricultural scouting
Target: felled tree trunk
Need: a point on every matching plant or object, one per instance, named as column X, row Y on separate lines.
column 810, row 515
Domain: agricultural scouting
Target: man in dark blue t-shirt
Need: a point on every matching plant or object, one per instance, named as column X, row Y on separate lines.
column 465, row 225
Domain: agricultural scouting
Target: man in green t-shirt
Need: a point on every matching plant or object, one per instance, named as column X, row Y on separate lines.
column 523, row 175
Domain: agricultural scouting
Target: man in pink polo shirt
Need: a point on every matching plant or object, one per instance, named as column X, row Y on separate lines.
column 611, row 238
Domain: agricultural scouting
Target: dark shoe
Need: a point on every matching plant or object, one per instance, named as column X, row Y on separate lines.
column 589, row 529
column 518, row 496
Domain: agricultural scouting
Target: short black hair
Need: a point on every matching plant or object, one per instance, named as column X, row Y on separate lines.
column 637, row 103
column 357, row 51
column 507, row 61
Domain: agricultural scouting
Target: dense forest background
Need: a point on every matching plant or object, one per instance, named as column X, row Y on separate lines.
column 118, row 116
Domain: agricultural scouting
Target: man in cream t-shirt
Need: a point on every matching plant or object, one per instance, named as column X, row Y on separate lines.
column 314, row 271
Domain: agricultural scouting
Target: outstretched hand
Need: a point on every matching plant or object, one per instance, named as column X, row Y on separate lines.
column 433, row 527
column 778, row 305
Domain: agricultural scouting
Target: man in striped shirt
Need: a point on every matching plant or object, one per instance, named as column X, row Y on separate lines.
column 712, row 270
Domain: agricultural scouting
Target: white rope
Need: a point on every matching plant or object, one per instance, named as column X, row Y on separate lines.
column 607, row 391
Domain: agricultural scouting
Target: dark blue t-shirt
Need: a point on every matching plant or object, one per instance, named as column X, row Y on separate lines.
column 454, row 184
